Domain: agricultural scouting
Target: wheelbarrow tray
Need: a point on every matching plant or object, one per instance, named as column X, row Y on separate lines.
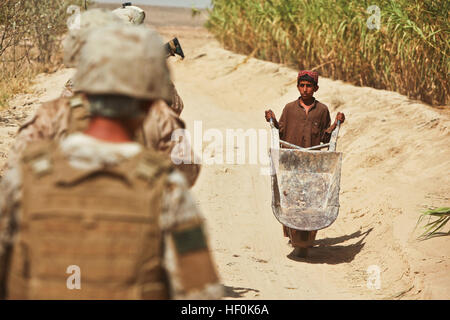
column 305, row 187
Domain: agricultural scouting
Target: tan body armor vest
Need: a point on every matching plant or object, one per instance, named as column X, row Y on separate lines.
column 104, row 222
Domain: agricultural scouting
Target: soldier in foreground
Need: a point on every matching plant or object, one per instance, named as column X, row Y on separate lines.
column 100, row 202
column 70, row 113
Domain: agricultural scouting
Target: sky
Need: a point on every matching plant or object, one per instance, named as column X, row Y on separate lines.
column 172, row 3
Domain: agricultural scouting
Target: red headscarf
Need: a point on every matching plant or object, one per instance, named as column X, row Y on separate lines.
column 313, row 74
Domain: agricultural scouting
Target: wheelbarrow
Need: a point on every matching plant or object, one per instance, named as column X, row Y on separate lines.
column 305, row 187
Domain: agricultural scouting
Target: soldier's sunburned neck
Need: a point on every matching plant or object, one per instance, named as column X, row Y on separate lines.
column 110, row 130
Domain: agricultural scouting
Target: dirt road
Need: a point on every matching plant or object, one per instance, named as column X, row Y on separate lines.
column 396, row 162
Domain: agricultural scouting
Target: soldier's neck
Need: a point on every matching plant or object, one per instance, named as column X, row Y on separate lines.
column 109, row 130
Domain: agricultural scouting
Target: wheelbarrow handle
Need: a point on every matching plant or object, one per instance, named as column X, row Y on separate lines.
column 275, row 136
column 331, row 146
column 285, row 143
column 334, row 136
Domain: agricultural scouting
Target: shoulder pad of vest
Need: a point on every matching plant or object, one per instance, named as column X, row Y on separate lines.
column 38, row 157
column 151, row 165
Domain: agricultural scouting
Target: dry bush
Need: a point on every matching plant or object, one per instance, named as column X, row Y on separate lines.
column 30, row 38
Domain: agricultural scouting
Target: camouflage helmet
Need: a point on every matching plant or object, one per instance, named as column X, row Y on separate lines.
column 124, row 60
column 130, row 14
column 89, row 20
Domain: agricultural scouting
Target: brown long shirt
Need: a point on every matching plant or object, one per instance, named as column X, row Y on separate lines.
column 305, row 130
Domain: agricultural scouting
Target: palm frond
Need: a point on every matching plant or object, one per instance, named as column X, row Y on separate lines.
column 437, row 219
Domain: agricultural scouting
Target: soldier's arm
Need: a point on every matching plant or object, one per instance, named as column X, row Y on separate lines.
column 177, row 104
column 161, row 121
column 49, row 122
column 187, row 258
column 159, row 125
column 10, row 194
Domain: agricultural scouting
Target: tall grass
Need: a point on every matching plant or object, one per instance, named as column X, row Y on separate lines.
column 30, row 36
column 408, row 54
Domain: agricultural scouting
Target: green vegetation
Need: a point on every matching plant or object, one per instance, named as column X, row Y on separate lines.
column 30, row 37
column 439, row 218
column 195, row 12
column 408, row 54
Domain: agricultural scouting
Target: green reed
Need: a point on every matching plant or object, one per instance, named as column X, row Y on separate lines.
column 408, row 54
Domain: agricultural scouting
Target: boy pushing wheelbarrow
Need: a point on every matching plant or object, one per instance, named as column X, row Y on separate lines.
column 306, row 182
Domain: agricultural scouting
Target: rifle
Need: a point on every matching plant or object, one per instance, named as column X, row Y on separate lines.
column 173, row 48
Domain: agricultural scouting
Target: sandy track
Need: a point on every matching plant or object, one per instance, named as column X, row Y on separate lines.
column 396, row 163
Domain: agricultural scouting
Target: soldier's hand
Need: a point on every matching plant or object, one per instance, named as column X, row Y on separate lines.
column 269, row 115
column 340, row 116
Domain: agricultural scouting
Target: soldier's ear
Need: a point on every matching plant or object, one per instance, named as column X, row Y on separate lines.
column 316, row 87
